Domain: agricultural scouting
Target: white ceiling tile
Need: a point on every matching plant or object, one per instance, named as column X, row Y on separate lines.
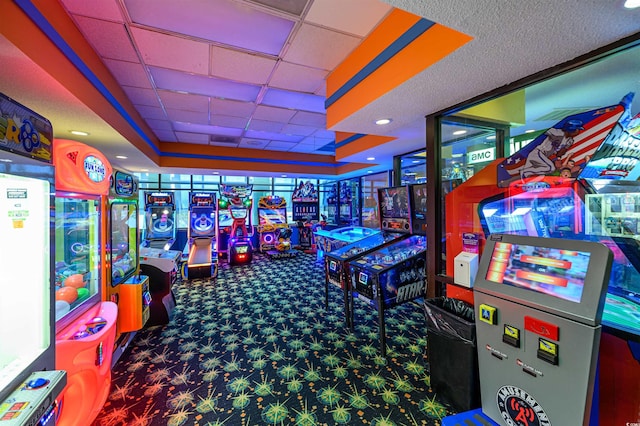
column 165, row 135
column 266, row 126
column 240, row 66
column 139, row 96
column 198, row 138
column 234, row 108
column 229, row 121
column 295, row 7
column 294, row 129
column 148, row 112
column 305, row 118
column 159, row 124
column 253, row 143
column 116, row 46
column 298, row 77
column 326, row 134
column 162, row 50
column 128, row 73
column 196, row 117
column 303, row 148
column 264, row 112
column 316, row 141
column 104, row 9
column 322, row 90
column 319, row 47
column 187, row 101
column 280, row 146
column 356, row 17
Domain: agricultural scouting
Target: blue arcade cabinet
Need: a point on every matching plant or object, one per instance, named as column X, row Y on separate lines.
column 202, row 261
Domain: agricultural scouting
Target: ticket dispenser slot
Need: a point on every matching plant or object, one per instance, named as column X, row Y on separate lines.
column 539, row 303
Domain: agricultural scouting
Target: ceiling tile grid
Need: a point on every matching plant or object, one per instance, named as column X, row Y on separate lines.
column 198, row 71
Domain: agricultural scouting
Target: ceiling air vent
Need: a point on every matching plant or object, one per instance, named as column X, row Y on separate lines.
column 224, row 140
column 558, row 114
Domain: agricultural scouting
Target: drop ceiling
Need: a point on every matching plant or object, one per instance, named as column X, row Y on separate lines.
column 250, row 74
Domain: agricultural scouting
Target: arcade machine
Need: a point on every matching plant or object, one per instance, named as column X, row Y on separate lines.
column 273, row 229
column 599, row 205
column 85, row 325
column 126, row 287
column 337, row 262
column 395, row 273
column 29, row 382
column 235, row 209
column 202, row 236
column 538, row 304
column 156, row 260
column 306, row 211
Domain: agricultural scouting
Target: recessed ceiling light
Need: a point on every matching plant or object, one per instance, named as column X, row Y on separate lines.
column 632, row 4
column 456, row 155
column 78, row 133
column 529, row 131
column 283, row 176
column 216, row 173
column 371, row 158
column 144, row 170
column 383, row 121
column 459, row 132
column 415, row 161
column 6, row 160
column 122, row 157
column 369, row 171
column 490, row 138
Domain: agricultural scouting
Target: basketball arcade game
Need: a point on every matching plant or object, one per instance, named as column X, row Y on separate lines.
column 600, row 205
column 395, row 273
column 126, row 287
column 202, row 236
column 234, row 215
column 156, row 260
column 273, row 229
column 29, row 383
column 85, row 325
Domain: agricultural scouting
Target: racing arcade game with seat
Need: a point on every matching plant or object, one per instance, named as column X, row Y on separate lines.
column 156, row 260
column 236, row 201
column 202, row 236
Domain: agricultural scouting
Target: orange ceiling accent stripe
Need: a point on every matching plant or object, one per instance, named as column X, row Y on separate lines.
column 430, row 47
column 361, row 144
column 388, row 31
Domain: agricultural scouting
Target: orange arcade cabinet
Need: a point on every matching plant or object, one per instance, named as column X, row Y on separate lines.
column 123, row 284
column 85, row 325
column 29, row 383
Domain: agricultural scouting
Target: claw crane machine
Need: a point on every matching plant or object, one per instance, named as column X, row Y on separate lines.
column 29, row 383
column 85, row 324
column 124, row 285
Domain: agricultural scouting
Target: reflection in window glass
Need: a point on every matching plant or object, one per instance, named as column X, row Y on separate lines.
column 413, row 168
column 370, row 185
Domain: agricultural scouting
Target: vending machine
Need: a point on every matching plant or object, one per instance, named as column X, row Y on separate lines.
column 124, row 284
column 202, row 244
column 29, row 381
column 85, row 324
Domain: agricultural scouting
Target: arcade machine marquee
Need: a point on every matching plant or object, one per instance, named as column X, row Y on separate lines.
column 29, row 383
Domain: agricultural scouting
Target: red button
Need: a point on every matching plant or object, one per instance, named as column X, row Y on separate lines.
column 543, row 328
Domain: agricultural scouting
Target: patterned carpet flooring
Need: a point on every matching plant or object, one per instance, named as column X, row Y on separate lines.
column 255, row 346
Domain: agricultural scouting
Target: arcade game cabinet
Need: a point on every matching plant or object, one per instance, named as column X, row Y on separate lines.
column 85, row 325
column 156, row 260
column 588, row 192
column 235, row 208
column 29, row 383
column 395, row 273
column 273, row 229
column 202, row 236
column 305, row 211
column 125, row 286
column 538, row 304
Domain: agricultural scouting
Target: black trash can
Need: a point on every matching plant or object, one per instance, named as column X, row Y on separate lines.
column 453, row 360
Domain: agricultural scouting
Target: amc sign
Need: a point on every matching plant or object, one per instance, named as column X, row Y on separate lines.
column 481, row 156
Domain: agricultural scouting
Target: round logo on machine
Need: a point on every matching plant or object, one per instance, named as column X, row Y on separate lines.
column 518, row 408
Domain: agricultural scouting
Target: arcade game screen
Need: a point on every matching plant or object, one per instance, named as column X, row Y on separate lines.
column 77, row 255
column 202, row 221
column 160, row 223
column 394, row 202
column 555, row 272
column 124, row 240
column 272, row 216
column 420, row 201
